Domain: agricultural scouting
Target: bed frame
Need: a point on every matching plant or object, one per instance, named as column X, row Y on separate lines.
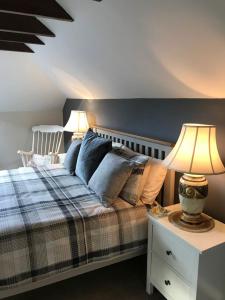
column 154, row 148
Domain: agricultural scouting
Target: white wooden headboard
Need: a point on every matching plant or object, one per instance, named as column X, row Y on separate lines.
column 151, row 147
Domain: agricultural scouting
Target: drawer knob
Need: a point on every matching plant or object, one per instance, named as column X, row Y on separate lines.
column 167, row 282
column 169, row 252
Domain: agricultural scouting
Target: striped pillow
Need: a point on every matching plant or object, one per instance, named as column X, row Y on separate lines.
column 133, row 188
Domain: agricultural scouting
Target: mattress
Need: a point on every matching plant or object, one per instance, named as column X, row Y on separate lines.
column 50, row 222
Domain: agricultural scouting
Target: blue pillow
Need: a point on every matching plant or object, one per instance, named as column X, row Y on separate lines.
column 92, row 151
column 110, row 177
column 71, row 156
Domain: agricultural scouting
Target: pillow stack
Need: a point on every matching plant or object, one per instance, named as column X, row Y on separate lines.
column 117, row 172
column 84, row 156
column 146, row 179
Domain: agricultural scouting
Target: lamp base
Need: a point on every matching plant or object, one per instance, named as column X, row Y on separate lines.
column 193, row 190
column 204, row 224
column 77, row 136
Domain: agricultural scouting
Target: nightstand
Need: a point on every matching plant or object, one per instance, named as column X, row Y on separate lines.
column 184, row 265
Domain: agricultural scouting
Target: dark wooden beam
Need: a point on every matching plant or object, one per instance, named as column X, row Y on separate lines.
column 23, row 24
column 20, row 38
column 12, row 46
column 43, row 8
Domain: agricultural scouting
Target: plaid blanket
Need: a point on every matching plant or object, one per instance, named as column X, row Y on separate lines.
column 50, row 222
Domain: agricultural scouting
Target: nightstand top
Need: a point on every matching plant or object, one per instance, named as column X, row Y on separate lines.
column 200, row 241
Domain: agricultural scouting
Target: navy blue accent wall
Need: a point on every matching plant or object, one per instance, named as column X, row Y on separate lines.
column 161, row 119
column 158, row 118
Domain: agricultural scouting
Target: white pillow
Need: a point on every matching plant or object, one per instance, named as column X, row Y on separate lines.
column 62, row 157
column 156, row 174
column 40, row 160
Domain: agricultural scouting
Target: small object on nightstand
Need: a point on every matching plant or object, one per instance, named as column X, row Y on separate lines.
column 185, row 265
column 157, row 211
column 206, row 224
column 195, row 154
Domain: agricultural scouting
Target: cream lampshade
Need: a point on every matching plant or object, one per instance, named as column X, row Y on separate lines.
column 196, row 155
column 78, row 124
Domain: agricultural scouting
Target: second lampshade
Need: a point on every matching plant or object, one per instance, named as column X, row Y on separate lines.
column 78, row 124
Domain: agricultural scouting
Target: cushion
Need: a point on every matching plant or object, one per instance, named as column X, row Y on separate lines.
column 156, row 173
column 40, row 160
column 133, row 188
column 62, row 157
column 92, row 151
column 71, row 156
column 110, row 177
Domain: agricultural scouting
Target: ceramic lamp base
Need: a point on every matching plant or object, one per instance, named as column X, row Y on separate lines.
column 205, row 222
column 193, row 190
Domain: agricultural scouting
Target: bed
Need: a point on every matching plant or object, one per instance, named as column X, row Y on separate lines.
column 53, row 227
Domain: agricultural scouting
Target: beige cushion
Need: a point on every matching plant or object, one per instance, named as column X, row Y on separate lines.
column 155, row 172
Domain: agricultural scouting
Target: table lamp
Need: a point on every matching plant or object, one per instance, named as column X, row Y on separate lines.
column 195, row 154
column 78, row 124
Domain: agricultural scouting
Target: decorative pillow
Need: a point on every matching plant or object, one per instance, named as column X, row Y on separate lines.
column 92, row 151
column 71, row 156
column 155, row 178
column 62, row 157
column 110, row 177
column 132, row 190
column 40, row 160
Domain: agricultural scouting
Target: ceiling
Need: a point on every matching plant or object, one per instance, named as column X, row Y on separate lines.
column 120, row 49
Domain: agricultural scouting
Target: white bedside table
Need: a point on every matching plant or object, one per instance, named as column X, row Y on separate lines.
column 184, row 265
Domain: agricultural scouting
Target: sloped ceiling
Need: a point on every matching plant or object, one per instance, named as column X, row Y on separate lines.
column 122, row 49
column 24, row 86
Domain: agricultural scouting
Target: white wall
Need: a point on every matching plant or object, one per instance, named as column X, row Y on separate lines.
column 27, row 97
column 24, row 86
column 120, row 49
column 15, row 133
column 114, row 49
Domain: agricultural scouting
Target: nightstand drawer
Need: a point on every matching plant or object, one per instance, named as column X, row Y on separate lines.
column 178, row 254
column 167, row 281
